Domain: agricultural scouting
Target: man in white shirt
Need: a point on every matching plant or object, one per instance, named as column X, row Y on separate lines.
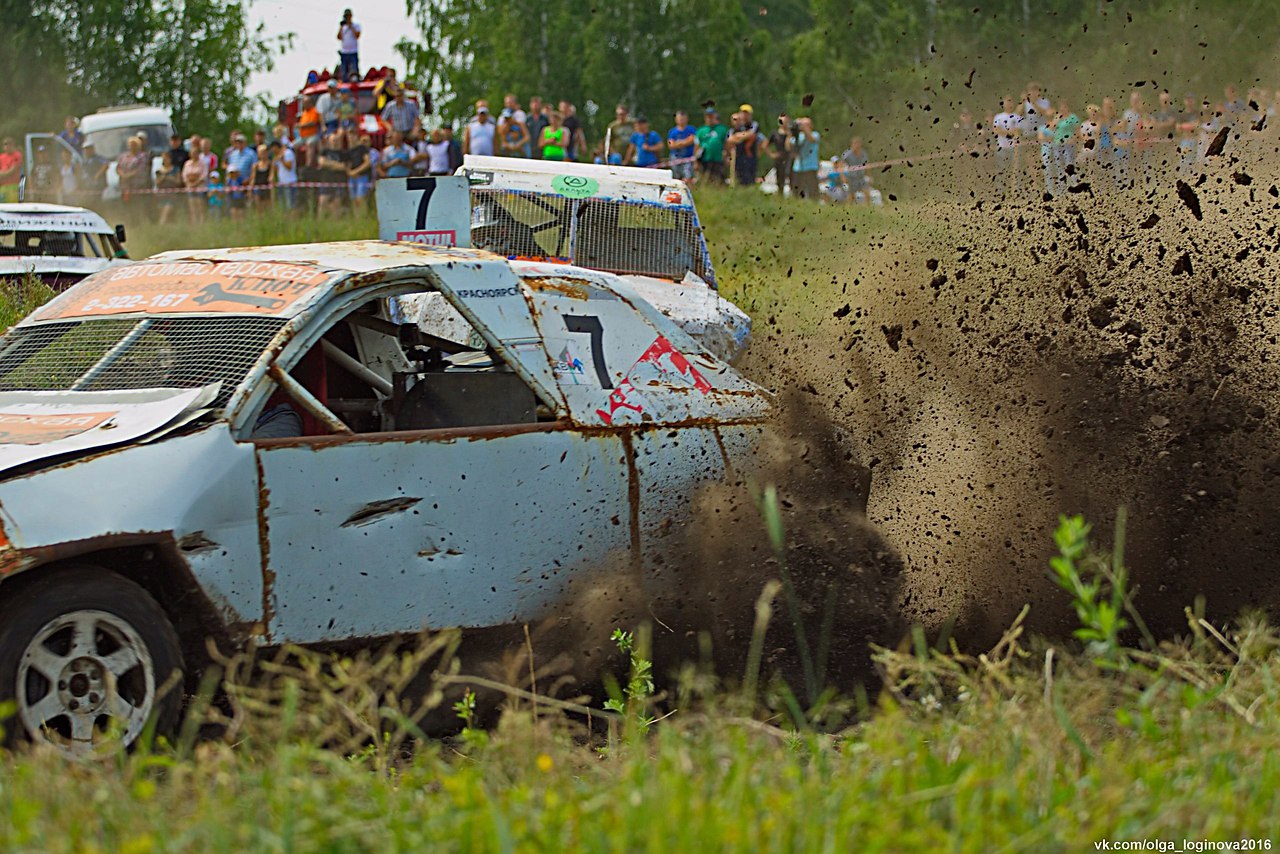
column 327, row 106
column 349, row 47
column 479, row 135
column 512, row 103
column 1006, row 125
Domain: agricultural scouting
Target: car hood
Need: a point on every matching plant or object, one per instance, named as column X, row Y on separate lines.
column 43, row 425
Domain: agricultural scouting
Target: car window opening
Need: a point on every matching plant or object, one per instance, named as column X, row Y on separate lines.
column 372, row 375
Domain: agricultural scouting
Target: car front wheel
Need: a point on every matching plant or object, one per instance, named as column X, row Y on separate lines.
column 88, row 658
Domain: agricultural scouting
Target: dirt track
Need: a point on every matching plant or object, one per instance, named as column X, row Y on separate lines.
column 1065, row 356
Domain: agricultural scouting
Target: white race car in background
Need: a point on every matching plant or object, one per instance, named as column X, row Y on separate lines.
column 57, row 243
column 640, row 224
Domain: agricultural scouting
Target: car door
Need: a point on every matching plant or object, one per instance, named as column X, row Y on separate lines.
column 374, row 533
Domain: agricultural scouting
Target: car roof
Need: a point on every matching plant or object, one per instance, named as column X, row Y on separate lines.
column 26, row 216
column 123, row 117
column 290, row 278
column 619, row 182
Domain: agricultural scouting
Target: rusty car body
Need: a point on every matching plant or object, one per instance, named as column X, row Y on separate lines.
column 435, row 479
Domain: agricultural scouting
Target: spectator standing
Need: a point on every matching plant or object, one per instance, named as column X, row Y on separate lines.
column 577, row 139
column 240, row 158
column 645, row 144
column 401, row 113
column 1006, row 125
column 1066, row 129
column 396, row 158
column 512, row 103
column 217, row 202
column 779, row 144
column 309, row 126
column 556, row 138
column 854, row 165
column 134, row 167
column 168, row 177
column 1108, row 156
column 1164, row 123
column 10, row 170
column 480, row 133
column 260, row 177
column 711, row 138
column 284, row 175
column 93, row 172
column 195, row 180
column 536, row 121
column 620, row 130
column 349, row 33
column 69, row 186
column 455, row 149
column 236, row 183
column 359, row 169
column 513, row 133
column 682, row 142
column 744, row 143
column 327, row 104
column 438, row 154
column 70, row 133
column 177, row 153
column 346, row 110
column 805, row 170
column 333, row 170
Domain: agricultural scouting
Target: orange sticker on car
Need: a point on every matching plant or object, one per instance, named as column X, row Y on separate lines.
column 189, row 287
column 21, row 429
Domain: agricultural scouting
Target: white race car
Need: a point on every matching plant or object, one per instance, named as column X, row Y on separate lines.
column 59, row 244
column 245, row 445
column 640, row 224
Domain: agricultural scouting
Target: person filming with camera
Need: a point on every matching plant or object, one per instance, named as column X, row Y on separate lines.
column 349, row 47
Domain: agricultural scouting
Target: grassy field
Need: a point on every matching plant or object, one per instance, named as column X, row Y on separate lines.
column 1036, row 745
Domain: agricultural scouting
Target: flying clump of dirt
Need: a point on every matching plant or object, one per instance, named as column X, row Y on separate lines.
column 1067, row 355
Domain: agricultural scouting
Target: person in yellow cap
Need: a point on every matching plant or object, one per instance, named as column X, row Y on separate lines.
column 745, row 141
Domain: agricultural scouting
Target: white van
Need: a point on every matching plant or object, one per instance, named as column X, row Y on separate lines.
column 110, row 129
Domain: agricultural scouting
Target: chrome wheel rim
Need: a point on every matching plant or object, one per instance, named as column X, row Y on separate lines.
column 86, row 680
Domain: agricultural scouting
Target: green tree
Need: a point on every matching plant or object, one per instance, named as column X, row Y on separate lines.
column 192, row 56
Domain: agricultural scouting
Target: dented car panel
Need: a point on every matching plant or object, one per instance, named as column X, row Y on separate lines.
column 197, row 490
column 341, row 534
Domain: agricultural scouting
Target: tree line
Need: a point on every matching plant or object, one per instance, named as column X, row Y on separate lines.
column 73, row 56
column 897, row 68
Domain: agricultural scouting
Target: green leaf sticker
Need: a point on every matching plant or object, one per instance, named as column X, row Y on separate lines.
column 575, row 186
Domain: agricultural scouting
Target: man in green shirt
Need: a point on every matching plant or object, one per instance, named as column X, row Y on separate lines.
column 711, row 139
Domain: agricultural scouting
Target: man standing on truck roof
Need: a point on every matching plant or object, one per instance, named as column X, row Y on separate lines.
column 10, row 170
column 349, row 33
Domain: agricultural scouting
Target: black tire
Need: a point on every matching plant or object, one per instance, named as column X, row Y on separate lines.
column 114, row 651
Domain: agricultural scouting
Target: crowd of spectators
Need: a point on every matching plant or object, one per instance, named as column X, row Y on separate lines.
column 1036, row 142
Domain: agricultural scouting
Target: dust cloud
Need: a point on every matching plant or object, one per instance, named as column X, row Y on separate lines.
column 1042, row 356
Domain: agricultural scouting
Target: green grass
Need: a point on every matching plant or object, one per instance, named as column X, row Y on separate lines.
column 1031, row 747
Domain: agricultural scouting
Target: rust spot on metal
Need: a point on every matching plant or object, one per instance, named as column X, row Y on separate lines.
column 724, row 454
column 264, row 546
column 571, row 288
column 633, row 498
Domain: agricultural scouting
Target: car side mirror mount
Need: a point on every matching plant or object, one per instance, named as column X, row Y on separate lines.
column 120, row 232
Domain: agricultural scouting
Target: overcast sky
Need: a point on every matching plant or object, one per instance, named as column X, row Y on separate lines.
column 316, row 24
